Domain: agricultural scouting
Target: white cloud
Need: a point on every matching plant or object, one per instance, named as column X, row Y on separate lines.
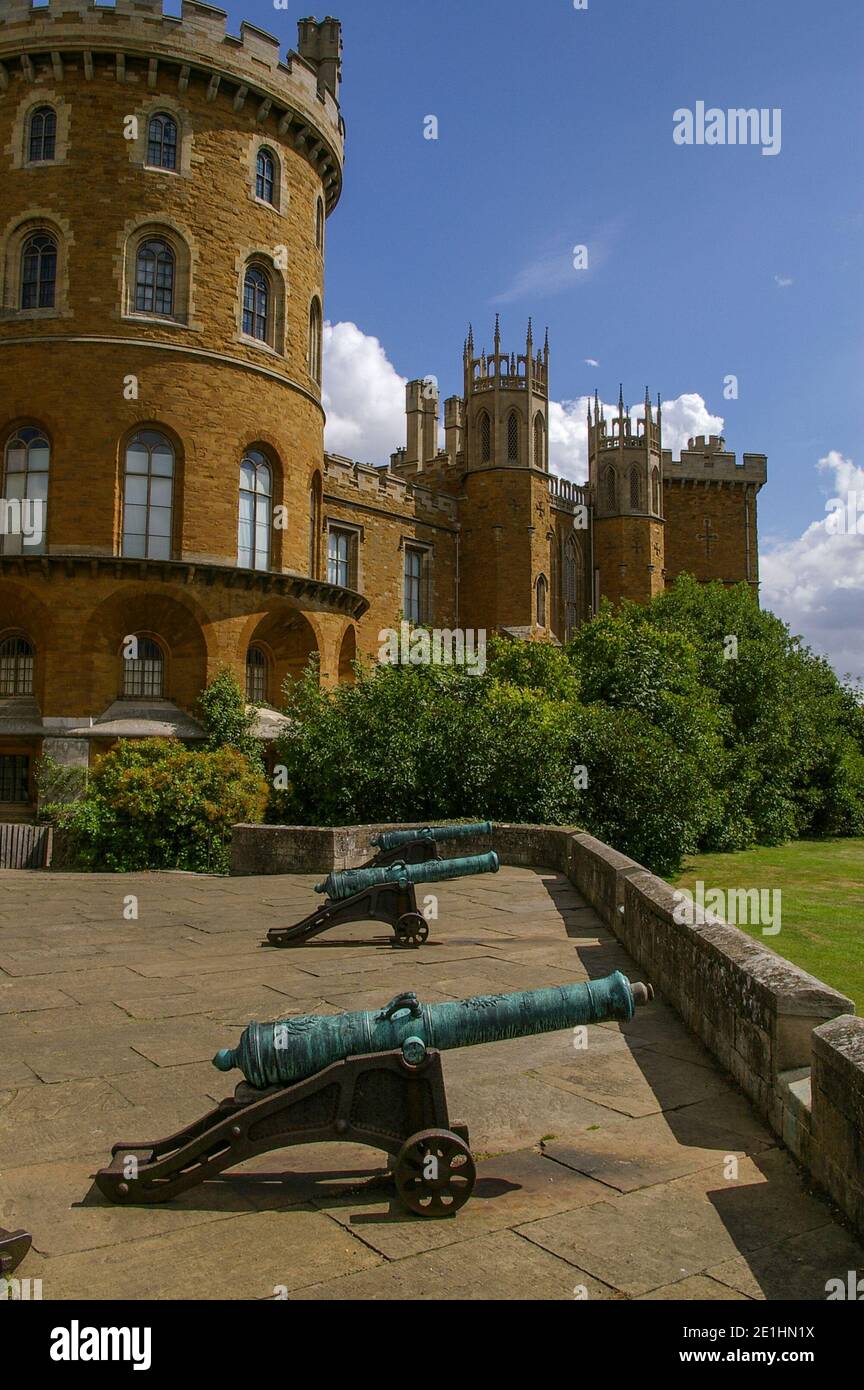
column 364, row 396
column 591, row 361
column 685, row 416
column 816, row 582
column 783, row 281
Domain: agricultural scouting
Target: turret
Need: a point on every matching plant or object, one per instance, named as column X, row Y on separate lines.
column 321, row 45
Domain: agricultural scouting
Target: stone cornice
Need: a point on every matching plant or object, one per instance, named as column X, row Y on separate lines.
column 39, row 339
column 309, row 593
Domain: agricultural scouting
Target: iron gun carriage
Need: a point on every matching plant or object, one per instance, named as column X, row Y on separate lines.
column 14, row 1245
column 382, row 894
column 372, row 1077
column 418, row 846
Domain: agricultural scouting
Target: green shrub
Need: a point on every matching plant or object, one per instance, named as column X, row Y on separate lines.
column 225, row 717
column 157, row 804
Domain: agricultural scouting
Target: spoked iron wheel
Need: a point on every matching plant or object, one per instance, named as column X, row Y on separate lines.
column 434, row 1172
column 412, row 929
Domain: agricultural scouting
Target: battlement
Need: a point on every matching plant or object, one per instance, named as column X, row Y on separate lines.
column 503, row 371
column 622, row 431
column 706, row 459
column 301, row 91
column 567, row 495
column 379, row 484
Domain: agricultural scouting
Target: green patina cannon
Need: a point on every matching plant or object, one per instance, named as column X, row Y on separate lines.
column 418, row 846
column 373, row 1078
column 383, row 895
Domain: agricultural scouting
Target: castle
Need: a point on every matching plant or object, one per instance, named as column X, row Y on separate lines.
column 166, row 188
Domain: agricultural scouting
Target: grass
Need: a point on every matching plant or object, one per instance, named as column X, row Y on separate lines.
column 822, row 905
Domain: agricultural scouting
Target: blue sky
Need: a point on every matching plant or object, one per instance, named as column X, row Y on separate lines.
column 555, row 129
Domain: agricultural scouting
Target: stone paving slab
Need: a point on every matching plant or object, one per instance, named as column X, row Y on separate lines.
column 630, row 1167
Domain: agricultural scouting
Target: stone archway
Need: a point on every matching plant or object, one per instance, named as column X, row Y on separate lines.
column 288, row 639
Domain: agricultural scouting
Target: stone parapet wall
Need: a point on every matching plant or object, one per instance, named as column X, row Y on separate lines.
column 791, row 1043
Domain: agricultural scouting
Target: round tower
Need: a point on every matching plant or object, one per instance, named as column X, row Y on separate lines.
column 625, row 474
column 165, row 192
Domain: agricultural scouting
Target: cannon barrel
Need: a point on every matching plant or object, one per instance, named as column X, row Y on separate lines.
column 392, row 839
column 292, row 1049
column 346, row 883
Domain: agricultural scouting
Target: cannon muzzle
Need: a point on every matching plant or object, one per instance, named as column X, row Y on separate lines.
column 393, row 839
column 292, row 1049
column 346, row 883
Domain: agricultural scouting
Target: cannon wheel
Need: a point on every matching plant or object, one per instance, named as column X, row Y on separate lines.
column 412, row 929
column 434, row 1172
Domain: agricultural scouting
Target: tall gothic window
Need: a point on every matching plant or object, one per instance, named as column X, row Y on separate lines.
column 539, row 442
column 154, row 278
column 341, row 557
column 162, row 141
column 573, row 587
column 413, row 590
column 42, row 135
column 39, row 271
column 143, row 668
column 655, row 492
column 513, row 437
column 26, row 463
column 256, row 676
column 542, row 587
column 16, row 667
column 265, row 176
column 315, row 340
column 148, row 496
column 485, row 438
column 635, row 490
column 314, row 524
column 256, row 495
column 256, row 304
column 610, row 489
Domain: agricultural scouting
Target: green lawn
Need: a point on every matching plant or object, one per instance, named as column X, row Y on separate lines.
column 822, row 907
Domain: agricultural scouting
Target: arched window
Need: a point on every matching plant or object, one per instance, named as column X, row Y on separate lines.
column 253, row 531
column 635, row 490
column 162, row 141
column 574, row 587
column 485, row 438
column 42, row 135
column 314, row 524
column 319, row 225
column 265, row 176
column 513, row 437
column 655, row 492
column 148, row 496
column 38, row 271
column 256, row 676
column 539, row 442
column 610, row 489
column 542, row 587
column 315, row 340
column 16, row 667
column 256, row 304
column 143, row 668
column 154, row 278
column 26, row 460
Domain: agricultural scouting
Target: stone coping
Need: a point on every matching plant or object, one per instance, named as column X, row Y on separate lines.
column 791, row 1042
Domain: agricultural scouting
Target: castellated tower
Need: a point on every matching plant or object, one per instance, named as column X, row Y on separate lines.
column 165, row 190
column 502, row 422
column 625, row 472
